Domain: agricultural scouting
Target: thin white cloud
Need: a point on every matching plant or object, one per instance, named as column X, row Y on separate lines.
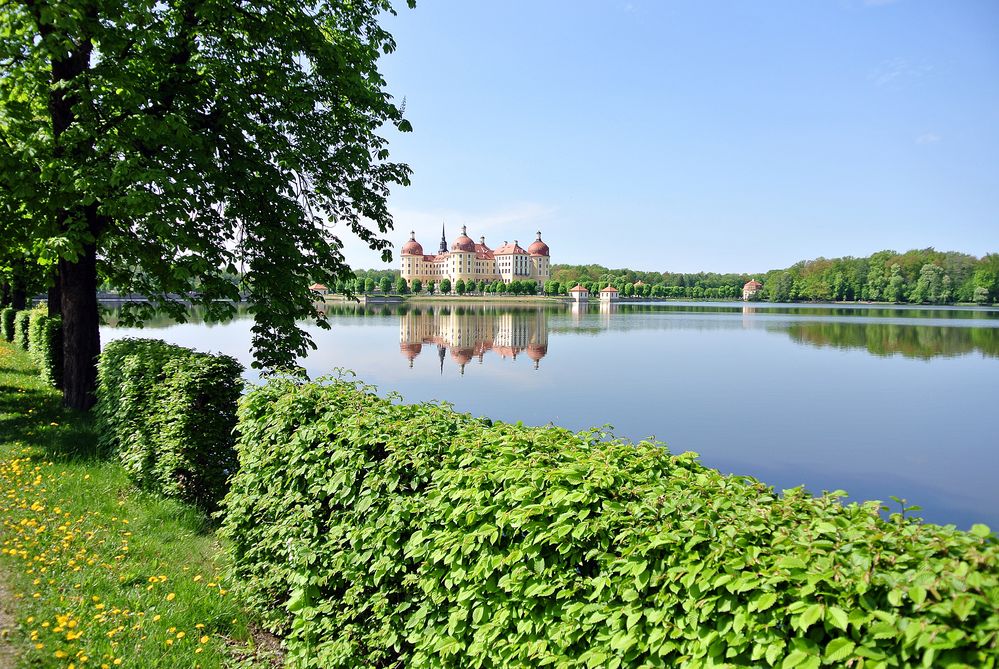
column 928, row 138
column 896, row 72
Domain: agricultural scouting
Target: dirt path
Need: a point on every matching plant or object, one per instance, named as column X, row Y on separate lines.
column 8, row 654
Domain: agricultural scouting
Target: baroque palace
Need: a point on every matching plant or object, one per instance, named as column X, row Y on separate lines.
column 476, row 262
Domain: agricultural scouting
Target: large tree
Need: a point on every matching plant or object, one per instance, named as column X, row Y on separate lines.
column 169, row 145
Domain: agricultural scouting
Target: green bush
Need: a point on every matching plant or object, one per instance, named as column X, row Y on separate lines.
column 375, row 534
column 45, row 346
column 22, row 321
column 169, row 412
column 7, row 323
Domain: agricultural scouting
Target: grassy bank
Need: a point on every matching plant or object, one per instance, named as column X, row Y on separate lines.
column 101, row 574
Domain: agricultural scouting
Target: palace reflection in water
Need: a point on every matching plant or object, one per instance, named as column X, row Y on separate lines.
column 473, row 334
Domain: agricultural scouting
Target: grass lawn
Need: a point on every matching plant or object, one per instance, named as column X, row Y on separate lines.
column 101, row 574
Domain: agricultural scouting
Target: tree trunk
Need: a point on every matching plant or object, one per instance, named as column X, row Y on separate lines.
column 55, row 298
column 18, row 296
column 81, row 329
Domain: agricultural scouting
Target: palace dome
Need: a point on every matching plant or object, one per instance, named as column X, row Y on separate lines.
column 463, row 243
column 538, row 247
column 412, row 247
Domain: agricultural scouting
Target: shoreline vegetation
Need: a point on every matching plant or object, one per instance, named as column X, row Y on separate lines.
column 365, row 532
column 918, row 276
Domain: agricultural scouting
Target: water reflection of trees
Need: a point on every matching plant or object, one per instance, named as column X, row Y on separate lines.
column 195, row 314
column 911, row 341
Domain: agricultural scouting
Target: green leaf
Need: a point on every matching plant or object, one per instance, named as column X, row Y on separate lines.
column 838, row 650
column 980, row 530
column 810, row 616
column 837, row 617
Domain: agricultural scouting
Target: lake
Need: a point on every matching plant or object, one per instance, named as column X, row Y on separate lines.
column 874, row 400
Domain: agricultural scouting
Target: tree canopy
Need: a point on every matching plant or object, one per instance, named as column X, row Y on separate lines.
column 168, row 146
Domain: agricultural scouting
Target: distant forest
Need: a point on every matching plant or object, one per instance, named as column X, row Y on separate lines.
column 922, row 276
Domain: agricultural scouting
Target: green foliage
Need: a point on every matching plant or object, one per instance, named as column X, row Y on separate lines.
column 377, row 534
column 168, row 412
column 459, row 286
column 144, row 130
column 417, row 286
column 444, row 286
column 7, row 324
column 22, row 322
column 45, row 346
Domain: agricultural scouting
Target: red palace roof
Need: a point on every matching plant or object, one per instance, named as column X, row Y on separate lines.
column 752, row 285
column 609, row 289
column 578, row 289
column 510, row 249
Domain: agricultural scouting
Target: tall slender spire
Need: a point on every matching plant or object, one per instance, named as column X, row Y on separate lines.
column 443, row 248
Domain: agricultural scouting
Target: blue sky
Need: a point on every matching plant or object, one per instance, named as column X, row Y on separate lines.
column 699, row 135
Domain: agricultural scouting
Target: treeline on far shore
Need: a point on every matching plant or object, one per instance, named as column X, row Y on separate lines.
column 922, row 276
column 919, row 276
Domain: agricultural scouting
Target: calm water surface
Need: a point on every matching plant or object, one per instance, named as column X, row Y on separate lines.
column 877, row 401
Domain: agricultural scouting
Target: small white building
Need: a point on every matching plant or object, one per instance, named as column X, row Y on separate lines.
column 579, row 294
column 609, row 294
column 751, row 289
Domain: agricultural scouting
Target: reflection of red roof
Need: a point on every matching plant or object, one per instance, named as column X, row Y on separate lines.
column 609, row 289
column 753, row 285
column 463, row 355
column 536, row 351
column 510, row 249
column 410, row 350
column 578, row 289
column 318, row 286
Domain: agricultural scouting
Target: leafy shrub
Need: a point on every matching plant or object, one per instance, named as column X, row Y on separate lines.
column 7, row 323
column 169, row 413
column 45, row 346
column 22, row 320
column 376, row 534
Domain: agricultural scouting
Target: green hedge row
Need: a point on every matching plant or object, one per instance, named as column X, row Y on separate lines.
column 375, row 534
column 45, row 345
column 7, row 323
column 169, row 413
column 22, row 320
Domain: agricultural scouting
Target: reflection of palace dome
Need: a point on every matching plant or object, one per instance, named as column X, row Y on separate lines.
column 536, row 351
column 412, row 247
column 463, row 242
column 538, row 248
column 410, row 350
column 462, row 355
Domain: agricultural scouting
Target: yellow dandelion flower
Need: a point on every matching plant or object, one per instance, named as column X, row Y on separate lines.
column 170, row 597
column 203, row 639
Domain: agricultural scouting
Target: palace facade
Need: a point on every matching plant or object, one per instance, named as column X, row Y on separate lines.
column 469, row 261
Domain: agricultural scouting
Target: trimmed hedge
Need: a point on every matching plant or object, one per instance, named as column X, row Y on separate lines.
column 375, row 535
column 169, row 413
column 45, row 346
column 7, row 323
column 22, row 320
